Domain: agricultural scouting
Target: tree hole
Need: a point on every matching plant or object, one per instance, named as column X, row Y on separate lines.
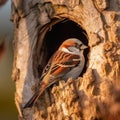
column 58, row 33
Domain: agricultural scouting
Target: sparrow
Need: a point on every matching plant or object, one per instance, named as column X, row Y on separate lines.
column 67, row 61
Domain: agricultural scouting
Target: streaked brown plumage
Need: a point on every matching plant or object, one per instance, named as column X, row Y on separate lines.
column 67, row 61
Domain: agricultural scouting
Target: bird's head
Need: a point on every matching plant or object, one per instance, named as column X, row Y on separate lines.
column 73, row 46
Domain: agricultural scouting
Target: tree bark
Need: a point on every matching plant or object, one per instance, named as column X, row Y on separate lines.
column 93, row 96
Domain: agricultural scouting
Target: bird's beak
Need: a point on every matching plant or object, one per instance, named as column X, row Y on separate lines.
column 84, row 47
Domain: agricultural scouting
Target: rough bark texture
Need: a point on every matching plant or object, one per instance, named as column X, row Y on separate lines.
column 94, row 96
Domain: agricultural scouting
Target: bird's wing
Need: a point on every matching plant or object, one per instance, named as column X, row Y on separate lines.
column 46, row 69
column 61, row 63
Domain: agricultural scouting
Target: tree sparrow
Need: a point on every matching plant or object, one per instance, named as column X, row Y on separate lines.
column 67, row 61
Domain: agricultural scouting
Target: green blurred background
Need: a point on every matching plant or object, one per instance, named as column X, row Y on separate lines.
column 7, row 87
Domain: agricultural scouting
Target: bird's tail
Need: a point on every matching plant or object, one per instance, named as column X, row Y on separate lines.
column 36, row 95
column 33, row 99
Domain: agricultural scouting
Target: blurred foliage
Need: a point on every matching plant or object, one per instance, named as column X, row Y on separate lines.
column 2, row 49
column 3, row 2
column 7, row 87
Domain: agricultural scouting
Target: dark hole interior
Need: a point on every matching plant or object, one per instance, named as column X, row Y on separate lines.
column 62, row 31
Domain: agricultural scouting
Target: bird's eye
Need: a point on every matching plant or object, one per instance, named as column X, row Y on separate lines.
column 78, row 46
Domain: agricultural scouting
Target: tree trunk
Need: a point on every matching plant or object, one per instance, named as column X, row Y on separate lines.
column 40, row 27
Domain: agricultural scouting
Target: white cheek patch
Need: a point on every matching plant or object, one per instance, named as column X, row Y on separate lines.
column 65, row 50
column 71, row 50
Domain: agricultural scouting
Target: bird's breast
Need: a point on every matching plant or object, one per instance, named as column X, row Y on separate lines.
column 76, row 71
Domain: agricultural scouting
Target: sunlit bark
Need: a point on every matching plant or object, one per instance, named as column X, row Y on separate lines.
column 93, row 96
